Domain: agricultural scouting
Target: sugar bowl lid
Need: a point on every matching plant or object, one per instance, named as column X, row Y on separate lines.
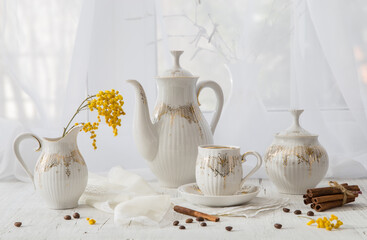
column 295, row 130
column 177, row 71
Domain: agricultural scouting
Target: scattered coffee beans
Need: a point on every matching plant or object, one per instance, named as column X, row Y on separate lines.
column 76, row 215
column 203, row 224
column 175, row 223
column 286, row 210
column 310, row 213
column 182, row 227
column 199, row 219
column 297, row 212
column 278, row 225
column 67, row 217
column 18, row 224
column 189, row 220
column 229, row 228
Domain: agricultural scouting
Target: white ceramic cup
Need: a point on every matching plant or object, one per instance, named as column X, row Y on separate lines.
column 219, row 169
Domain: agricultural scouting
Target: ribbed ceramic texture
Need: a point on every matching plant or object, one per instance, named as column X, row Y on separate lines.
column 60, row 175
column 181, row 132
column 62, row 185
column 294, row 168
column 218, row 172
column 170, row 142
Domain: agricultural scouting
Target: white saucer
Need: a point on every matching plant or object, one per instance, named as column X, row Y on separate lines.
column 192, row 193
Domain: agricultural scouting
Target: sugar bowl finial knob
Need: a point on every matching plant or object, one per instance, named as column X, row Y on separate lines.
column 296, row 113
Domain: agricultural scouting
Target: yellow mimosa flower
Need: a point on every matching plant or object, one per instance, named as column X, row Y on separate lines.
column 107, row 104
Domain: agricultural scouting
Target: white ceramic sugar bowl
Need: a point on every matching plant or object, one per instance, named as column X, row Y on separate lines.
column 296, row 161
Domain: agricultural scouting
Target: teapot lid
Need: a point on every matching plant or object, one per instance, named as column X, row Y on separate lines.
column 176, row 70
column 295, row 130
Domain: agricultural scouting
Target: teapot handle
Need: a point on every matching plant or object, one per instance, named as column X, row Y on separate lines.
column 220, row 100
column 17, row 141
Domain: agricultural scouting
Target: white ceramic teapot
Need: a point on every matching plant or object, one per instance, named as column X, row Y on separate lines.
column 170, row 142
column 296, row 161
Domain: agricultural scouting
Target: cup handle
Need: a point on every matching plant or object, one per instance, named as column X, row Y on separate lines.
column 258, row 165
column 17, row 141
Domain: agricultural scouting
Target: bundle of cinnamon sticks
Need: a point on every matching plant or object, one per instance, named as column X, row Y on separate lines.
column 322, row 199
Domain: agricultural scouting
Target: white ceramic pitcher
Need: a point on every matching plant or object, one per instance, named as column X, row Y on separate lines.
column 60, row 175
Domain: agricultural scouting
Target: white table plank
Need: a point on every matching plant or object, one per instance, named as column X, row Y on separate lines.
column 18, row 202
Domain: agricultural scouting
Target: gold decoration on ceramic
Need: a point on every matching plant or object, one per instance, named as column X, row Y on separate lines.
column 60, row 175
column 48, row 162
column 296, row 161
column 170, row 140
column 219, row 169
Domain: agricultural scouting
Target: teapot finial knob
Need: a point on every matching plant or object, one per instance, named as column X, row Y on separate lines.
column 176, row 55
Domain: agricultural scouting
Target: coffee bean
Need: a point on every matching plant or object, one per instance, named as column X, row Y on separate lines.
column 229, row 228
column 286, row 210
column 18, row 224
column 203, row 224
column 76, row 215
column 189, row 220
column 182, row 227
column 199, row 219
column 297, row 212
column 175, row 223
column 278, row 225
column 67, row 217
column 310, row 213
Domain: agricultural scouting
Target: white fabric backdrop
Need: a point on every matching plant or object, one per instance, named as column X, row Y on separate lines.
column 268, row 56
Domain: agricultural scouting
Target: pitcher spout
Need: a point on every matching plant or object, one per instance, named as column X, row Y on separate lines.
column 70, row 137
column 144, row 131
column 73, row 133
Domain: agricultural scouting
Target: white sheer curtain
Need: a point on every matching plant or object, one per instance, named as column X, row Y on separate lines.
column 36, row 44
column 305, row 56
column 111, row 41
column 267, row 55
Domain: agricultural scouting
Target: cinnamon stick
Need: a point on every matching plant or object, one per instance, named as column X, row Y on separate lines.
column 316, row 192
column 331, row 198
column 328, row 205
column 190, row 212
column 307, row 200
column 313, row 205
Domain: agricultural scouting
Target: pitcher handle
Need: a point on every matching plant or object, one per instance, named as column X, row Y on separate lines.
column 17, row 141
column 220, row 100
column 258, row 164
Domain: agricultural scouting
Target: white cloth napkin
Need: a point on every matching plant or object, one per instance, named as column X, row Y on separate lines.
column 127, row 196
column 250, row 209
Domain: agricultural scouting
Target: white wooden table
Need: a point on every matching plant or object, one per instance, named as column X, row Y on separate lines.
column 19, row 202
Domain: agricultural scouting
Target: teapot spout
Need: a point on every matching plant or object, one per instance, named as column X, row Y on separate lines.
column 145, row 133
